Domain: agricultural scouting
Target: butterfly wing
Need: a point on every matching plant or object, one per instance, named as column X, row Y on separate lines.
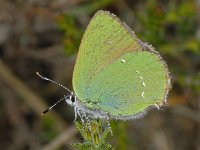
column 114, row 72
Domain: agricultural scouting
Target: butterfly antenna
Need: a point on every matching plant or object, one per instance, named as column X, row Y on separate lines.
column 47, row 79
column 48, row 109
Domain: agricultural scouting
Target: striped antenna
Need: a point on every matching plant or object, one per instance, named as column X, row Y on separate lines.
column 47, row 79
column 48, row 109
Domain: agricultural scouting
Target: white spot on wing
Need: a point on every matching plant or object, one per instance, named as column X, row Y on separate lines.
column 143, row 84
column 142, row 94
column 123, row 61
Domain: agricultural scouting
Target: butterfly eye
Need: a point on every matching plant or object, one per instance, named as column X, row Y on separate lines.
column 73, row 99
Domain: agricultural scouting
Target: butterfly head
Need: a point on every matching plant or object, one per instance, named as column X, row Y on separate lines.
column 71, row 99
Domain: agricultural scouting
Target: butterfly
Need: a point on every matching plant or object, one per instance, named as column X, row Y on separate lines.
column 115, row 73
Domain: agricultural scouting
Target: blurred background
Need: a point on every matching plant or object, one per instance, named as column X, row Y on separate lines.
column 45, row 35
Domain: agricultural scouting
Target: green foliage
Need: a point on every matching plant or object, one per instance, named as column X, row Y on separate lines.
column 121, row 137
column 72, row 34
column 94, row 138
column 174, row 23
column 49, row 131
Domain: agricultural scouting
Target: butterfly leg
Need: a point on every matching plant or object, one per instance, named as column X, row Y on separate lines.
column 108, row 123
column 81, row 116
column 87, row 120
column 106, row 116
column 75, row 112
column 88, row 123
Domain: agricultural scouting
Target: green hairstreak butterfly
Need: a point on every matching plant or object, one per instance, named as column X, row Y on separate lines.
column 116, row 74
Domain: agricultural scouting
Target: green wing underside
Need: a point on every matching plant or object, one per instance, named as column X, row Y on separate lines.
column 103, row 42
column 112, row 72
column 127, row 88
